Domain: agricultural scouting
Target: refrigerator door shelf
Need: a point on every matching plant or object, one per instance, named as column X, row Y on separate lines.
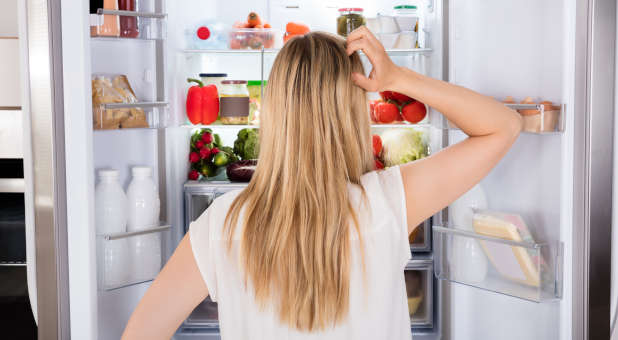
column 529, row 271
column 128, row 25
column 141, row 115
column 127, row 259
column 420, row 239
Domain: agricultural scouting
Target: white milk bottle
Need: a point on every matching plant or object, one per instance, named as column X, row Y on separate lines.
column 144, row 207
column 111, row 217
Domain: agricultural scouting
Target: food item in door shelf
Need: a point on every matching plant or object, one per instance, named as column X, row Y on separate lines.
column 106, row 25
column 110, row 89
column 234, row 100
column 349, row 19
column 414, row 112
column 515, row 263
column 386, row 112
column 202, row 103
column 241, row 171
column 110, row 204
column 128, row 24
column 403, row 145
column 143, row 200
column 536, row 121
column 246, row 145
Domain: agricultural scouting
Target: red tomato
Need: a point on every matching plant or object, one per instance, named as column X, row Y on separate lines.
column 414, row 112
column 399, row 98
column 372, row 106
column 386, row 112
column 377, row 145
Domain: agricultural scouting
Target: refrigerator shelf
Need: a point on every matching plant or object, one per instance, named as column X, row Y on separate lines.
column 140, row 115
column 525, row 270
column 239, row 127
column 130, row 258
column 146, row 25
column 547, row 121
column 391, row 52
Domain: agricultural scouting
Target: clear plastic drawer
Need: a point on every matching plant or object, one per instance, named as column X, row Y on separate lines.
column 125, row 259
column 526, row 270
column 419, row 291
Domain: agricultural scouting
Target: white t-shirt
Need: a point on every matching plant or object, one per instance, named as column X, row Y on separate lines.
column 378, row 305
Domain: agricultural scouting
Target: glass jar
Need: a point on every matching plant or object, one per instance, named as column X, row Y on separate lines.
column 255, row 100
column 213, row 78
column 234, row 102
column 349, row 19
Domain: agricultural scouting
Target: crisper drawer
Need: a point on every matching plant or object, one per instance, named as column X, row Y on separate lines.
column 420, row 238
column 199, row 195
column 419, row 290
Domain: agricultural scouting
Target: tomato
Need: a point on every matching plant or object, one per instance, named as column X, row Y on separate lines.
column 397, row 97
column 414, row 112
column 379, row 164
column 377, row 145
column 386, row 112
column 372, row 105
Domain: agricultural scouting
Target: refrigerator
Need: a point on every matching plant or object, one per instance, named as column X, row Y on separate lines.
column 558, row 179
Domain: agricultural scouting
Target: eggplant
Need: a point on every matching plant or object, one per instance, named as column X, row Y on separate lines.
column 241, row 171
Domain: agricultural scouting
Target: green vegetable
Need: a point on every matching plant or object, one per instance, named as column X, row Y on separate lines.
column 247, row 145
column 220, row 159
column 402, row 146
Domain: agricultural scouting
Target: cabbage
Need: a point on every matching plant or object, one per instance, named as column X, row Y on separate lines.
column 403, row 145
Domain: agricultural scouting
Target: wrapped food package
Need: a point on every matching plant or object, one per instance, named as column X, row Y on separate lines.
column 109, row 89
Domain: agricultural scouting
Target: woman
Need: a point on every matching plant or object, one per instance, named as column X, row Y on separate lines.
column 316, row 245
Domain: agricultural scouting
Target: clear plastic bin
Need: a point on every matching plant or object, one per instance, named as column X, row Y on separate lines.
column 106, row 24
column 420, row 239
column 526, row 270
column 125, row 259
column 142, row 115
column 254, row 38
column 419, row 291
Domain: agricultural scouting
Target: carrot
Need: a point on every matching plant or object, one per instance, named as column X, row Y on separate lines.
column 296, row 28
column 254, row 19
column 267, row 25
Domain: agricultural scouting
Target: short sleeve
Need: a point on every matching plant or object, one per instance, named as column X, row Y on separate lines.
column 391, row 183
column 202, row 245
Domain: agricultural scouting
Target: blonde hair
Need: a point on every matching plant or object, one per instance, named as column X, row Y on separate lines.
column 314, row 140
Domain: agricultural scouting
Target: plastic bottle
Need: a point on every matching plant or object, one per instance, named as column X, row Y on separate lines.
column 128, row 24
column 145, row 256
column 143, row 198
column 110, row 204
column 114, row 266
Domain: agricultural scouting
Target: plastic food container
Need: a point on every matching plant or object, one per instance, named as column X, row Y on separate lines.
column 349, row 19
column 254, row 38
column 389, row 40
column 255, row 100
column 213, row 78
column 388, row 24
column 234, row 102
column 536, row 121
column 407, row 40
column 407, row 17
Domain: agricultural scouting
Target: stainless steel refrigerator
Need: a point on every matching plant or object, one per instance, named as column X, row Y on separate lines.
column 559, row 181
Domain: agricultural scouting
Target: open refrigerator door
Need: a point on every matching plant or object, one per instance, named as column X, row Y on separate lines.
column 500, row 258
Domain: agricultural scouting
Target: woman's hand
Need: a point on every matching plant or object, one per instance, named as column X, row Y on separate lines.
column 382, row 76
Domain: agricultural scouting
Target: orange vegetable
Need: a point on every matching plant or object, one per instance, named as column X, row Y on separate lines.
column 288, row 36
column 267, row 25
column 254, row 19
column 258, row 26
column 296, row 28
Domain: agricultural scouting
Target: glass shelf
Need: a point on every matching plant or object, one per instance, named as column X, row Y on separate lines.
column 146, row 25
column 130, row 258
column 525, row 270
column 140, row 115
column 391, row 52
column 238, row 127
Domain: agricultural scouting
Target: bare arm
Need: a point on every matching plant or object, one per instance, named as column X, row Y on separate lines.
column 169, row 300
column 432, row 183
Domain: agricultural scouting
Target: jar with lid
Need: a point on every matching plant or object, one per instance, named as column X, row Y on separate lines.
column 349, row 19
column 213, row 78
column 407, row 18
column 234, row 102
column 255, row 100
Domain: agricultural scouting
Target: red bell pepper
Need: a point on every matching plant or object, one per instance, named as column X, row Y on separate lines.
column 202, row 103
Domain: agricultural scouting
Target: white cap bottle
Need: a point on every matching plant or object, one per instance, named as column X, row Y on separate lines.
column 143, row 198
column 110, row 204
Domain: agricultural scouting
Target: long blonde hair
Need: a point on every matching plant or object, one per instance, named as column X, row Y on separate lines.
column 314, row 140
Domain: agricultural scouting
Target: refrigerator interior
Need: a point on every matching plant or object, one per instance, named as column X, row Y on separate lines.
column 524, row 53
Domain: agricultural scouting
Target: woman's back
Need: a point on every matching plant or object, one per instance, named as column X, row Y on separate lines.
column 377, row 297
